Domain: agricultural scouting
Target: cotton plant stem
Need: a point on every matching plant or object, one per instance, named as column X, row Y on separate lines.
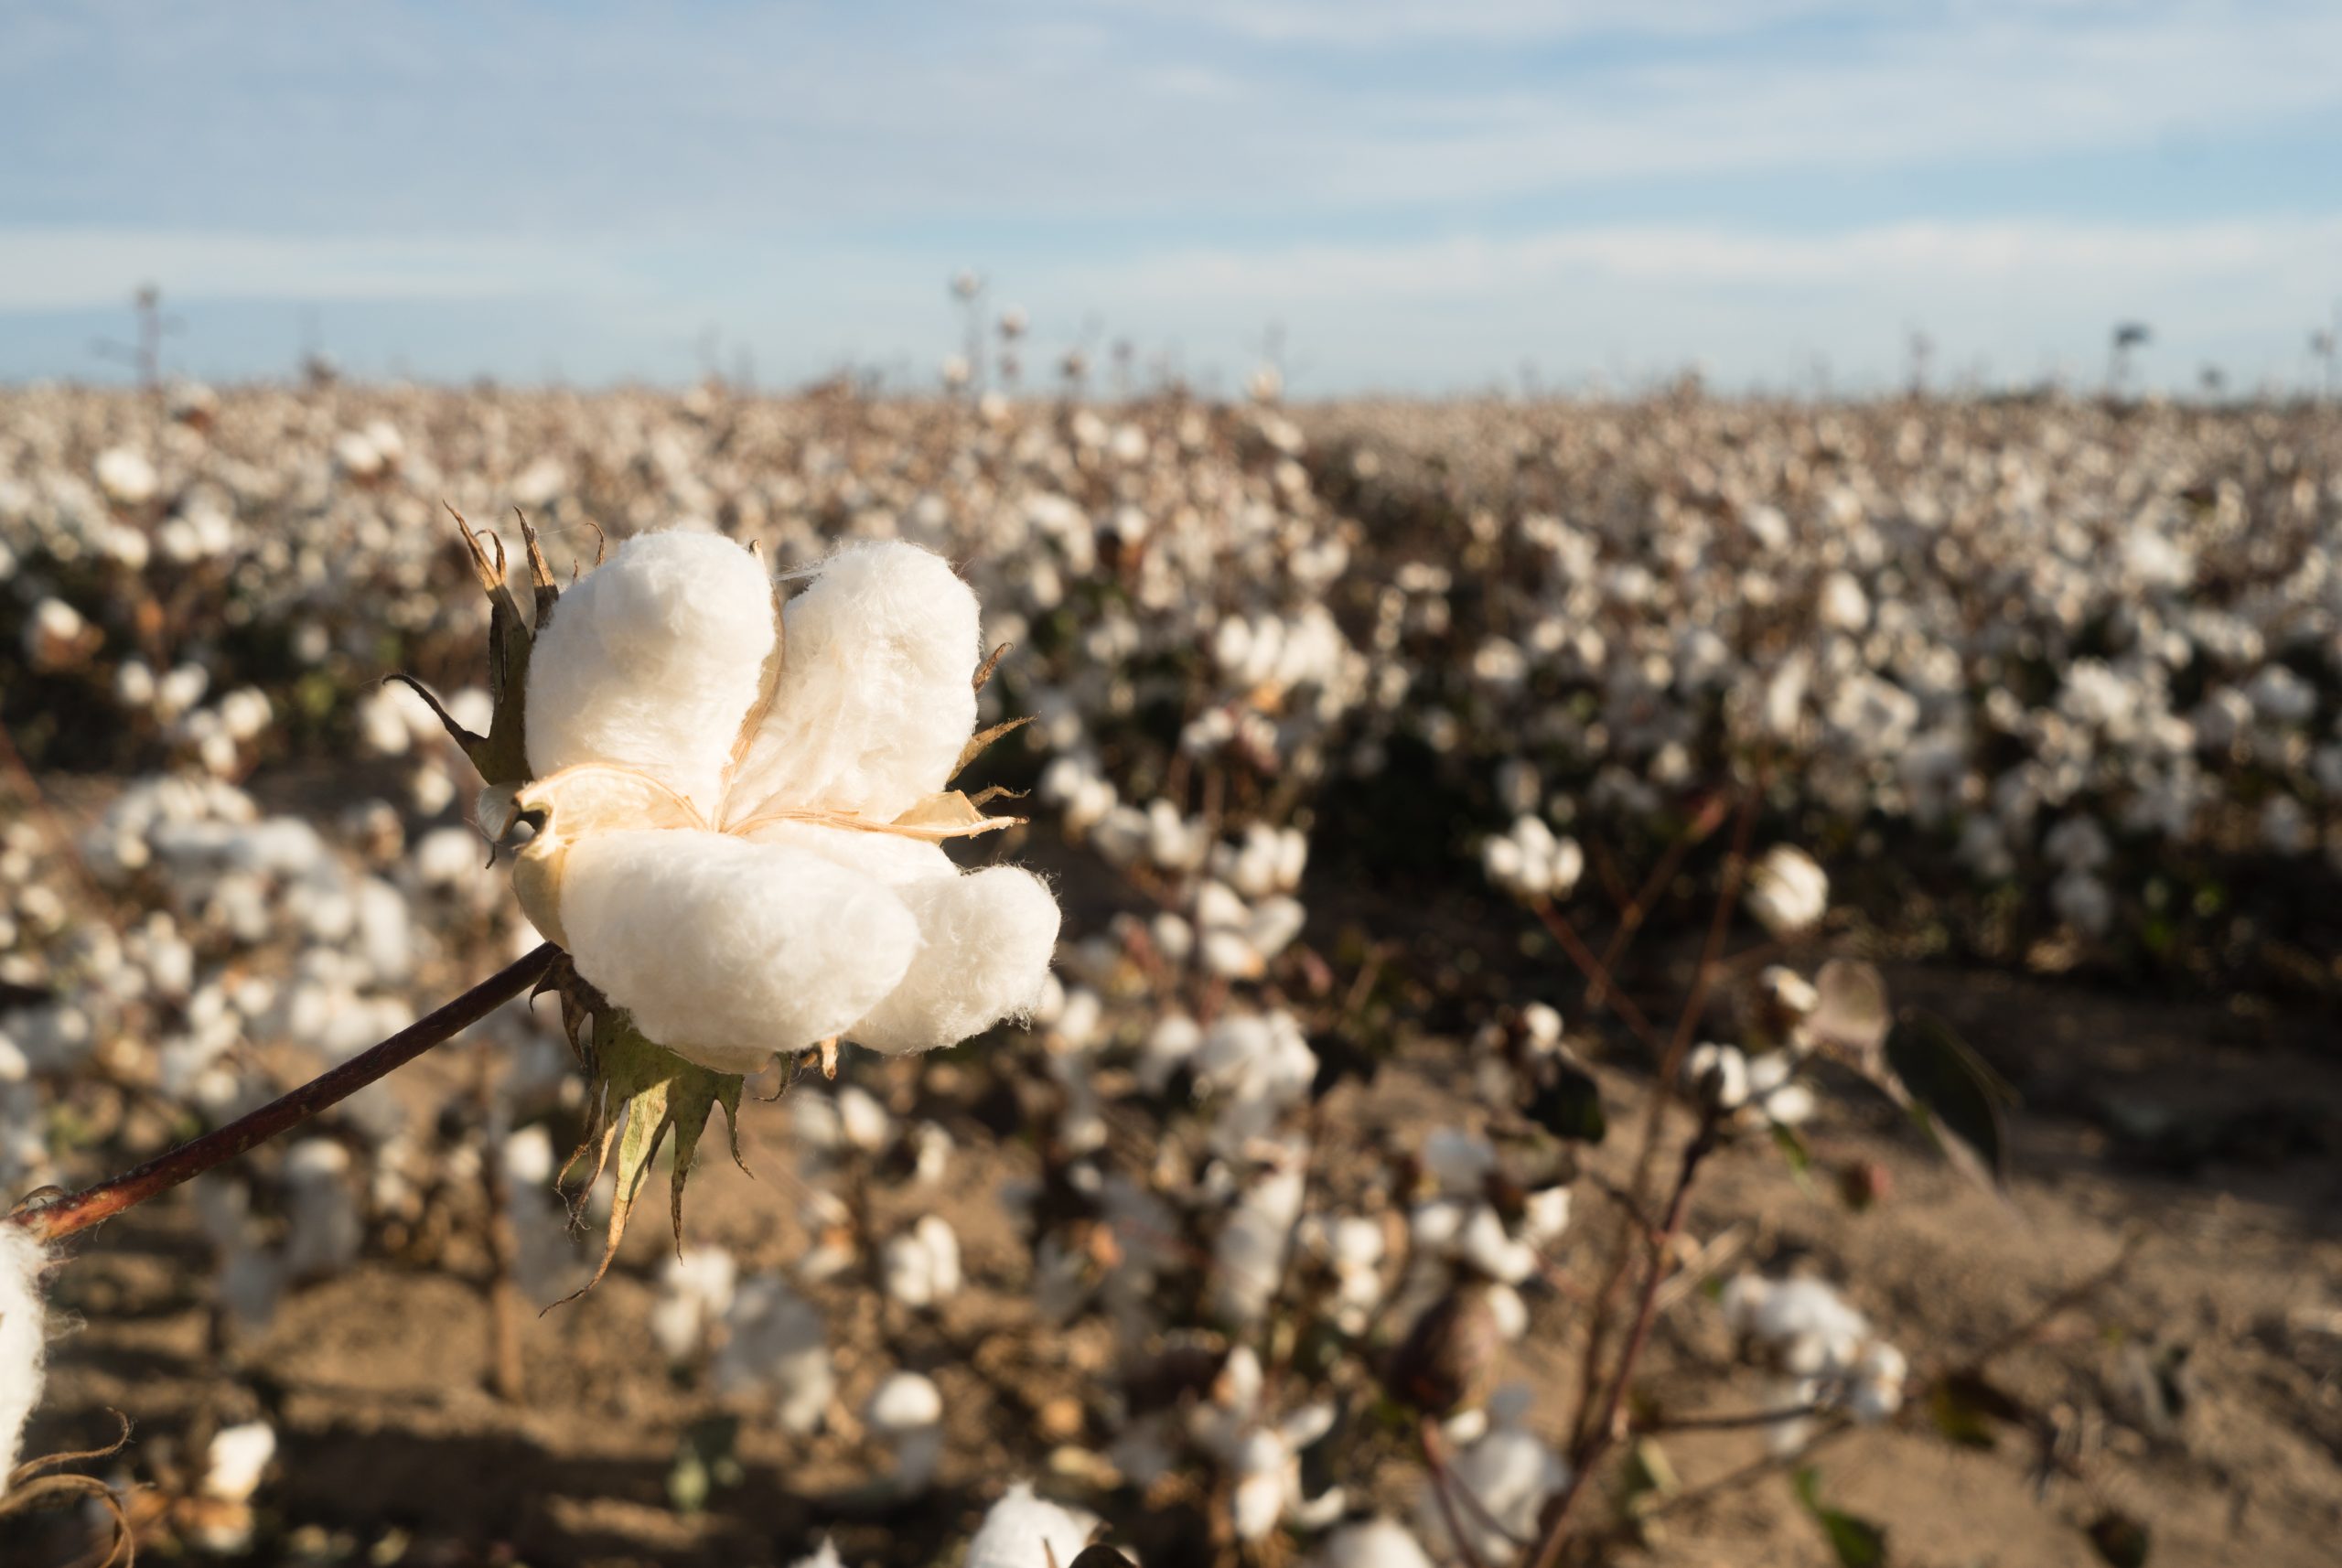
column 1596, row 1442
column 1670, row 1062
column 67, row 1216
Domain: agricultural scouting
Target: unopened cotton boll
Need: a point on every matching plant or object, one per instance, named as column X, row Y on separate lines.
column 23, row 1339
column 1022, row 1529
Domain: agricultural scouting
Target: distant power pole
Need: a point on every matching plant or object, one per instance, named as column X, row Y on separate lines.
column 146, row 354
column 2129, row 337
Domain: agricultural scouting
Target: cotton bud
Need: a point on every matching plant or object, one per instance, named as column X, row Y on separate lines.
column 1788, row 892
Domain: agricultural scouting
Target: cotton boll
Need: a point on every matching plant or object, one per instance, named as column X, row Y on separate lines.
column 653, row 663
column 1787, row 891
column 727, row 952
column 323, row 1227
column 825, row 1556
column 777, row 1347
column 921, row 1267
column 1876, row 1391
column 1022, row 1530
column 1377, row 1543
column 874, row 700
column 987, row 939
column 1509, row 1471
column 23, row 1339
column 1248, row 1259
column 1718, row 1075
column 236, row 1459
column 908, row 1410
column 695, row 1289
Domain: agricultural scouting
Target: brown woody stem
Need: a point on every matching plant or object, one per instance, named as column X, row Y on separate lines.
column 64, row 1217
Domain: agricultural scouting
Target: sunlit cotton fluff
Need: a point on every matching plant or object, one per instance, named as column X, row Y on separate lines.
column 23, row 1338
column 725, row 850
column 1021, row 1530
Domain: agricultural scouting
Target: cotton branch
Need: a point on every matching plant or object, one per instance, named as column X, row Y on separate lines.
column 53, row 1219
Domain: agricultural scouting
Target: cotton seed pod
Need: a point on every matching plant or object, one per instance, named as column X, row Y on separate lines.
column 1448, row 1358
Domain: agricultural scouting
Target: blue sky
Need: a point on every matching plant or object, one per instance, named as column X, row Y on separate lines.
column 1424, row 195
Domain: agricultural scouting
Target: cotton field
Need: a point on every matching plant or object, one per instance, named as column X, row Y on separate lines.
column 1363, row 985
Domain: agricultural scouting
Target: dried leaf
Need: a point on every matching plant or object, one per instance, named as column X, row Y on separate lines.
column 1952, row 1093
column 983, row 739
column 502, row 758
column 948, row 815
column 992, row 662
column 1853, row 1014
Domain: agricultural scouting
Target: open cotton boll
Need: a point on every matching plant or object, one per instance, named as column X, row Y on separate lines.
column 987, row 937
column 1377, row 1543
column 23, row 1339
column 825, row 1556
column 235, row 1461
column 875, row 699
column 921, row 1266
column 653, row 661
column 1509, row 1471
column 726, row 952
column 1022, row 1530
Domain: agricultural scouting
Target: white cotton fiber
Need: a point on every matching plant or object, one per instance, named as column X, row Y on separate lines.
column 23, row 1339
column 653, row 663
column 875, row 701
column 726, row 952
column 1022, row 1530
column 1377, row 1543
column 987, row 937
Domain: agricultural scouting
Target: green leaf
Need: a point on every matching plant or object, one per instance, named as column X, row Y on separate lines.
column 1800, row 1159
column 1969, row 1409
column 1953, row 1094
column 1858, row 1542
column 637, row 1092
column 705, row 1462
column 1568, row 1105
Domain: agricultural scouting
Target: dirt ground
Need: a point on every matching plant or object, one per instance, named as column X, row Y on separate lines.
column 2199, row 1392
